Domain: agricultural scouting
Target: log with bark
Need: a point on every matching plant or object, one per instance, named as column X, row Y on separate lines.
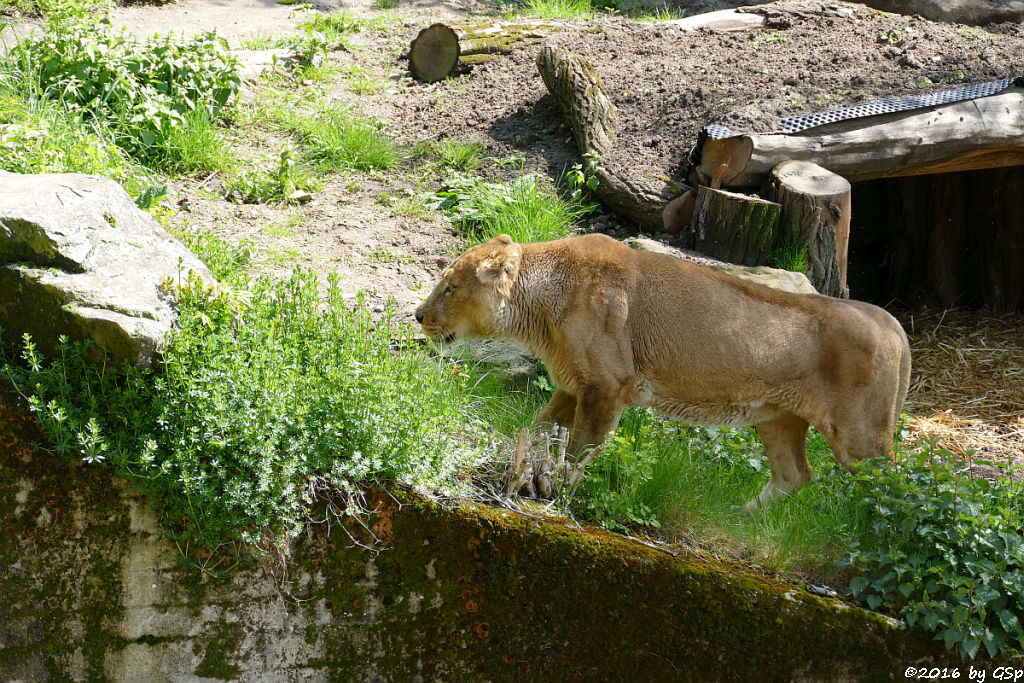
column 577, row 88
column 815, row 217
column 440, row 48
column 736, row 228
column 987, row 132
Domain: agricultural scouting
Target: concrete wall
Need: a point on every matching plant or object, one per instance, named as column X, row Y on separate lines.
column 89, row 590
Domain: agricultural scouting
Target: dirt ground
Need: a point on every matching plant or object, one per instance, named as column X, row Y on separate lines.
column 665, row 85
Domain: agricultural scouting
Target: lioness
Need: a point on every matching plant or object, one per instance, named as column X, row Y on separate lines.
column 619, row 327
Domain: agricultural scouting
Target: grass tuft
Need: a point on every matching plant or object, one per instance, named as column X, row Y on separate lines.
column 523, row 209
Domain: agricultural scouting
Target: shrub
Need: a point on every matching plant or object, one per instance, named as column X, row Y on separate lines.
column 140, row 91
column 943, row 550
column 262, row 398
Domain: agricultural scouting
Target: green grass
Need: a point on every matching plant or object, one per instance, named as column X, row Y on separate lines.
column 790, row 256
column 691, row 481
column 335, row 139
column 196, row 145
column 558, row 9
column 524, row 209
column 458, row 155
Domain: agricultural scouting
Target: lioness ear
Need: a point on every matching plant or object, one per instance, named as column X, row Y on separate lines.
column 501, row 240
column 501, row 266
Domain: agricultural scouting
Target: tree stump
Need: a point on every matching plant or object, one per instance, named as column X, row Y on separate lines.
column 439, row 48
column 816, row 217
column 734, row 227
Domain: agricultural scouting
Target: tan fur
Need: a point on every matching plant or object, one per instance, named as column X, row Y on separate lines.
column 619, row 327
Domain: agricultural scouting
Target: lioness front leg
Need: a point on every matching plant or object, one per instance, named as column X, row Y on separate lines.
column 598, row 410
column 785, row 444
column 560, row 410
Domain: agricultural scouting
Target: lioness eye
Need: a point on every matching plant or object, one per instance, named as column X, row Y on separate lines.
column 449, row 288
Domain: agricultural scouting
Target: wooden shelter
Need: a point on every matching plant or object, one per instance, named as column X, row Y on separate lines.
column 918, row 199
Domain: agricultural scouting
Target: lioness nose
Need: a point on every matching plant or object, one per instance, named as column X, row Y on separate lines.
column 419, row 316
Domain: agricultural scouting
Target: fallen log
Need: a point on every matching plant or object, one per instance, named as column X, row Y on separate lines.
column 439, row 48
column 815, row 217
column 577, row 88
column 987, row 132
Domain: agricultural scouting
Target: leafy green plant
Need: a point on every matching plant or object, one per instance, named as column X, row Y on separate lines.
column 263, row 397
column 141, row 92
column 523, row 209
column 942, row 549
column 255, row 186
column 228, row 262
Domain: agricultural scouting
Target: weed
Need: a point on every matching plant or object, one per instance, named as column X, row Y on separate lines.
column 255, row 186
column 407, row 204
column 461, row 156
column 385, row 255
column 942, row 549
column 336, row 139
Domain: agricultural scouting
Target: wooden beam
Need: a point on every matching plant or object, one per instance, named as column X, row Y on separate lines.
column 984, row 133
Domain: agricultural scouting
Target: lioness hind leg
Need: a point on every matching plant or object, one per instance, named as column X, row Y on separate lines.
column 785, row 443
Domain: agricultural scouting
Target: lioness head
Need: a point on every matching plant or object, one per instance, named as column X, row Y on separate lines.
column 473, row 291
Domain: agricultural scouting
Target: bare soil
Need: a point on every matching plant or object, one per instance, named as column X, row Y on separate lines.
column 665, row 84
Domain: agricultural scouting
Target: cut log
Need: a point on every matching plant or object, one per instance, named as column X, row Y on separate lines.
column 439, row 48
column 735, row 228
column 577, row 88
column 434, row 53
column 816, row 217
column 987, row 132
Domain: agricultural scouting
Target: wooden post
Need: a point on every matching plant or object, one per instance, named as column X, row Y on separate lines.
column 815, row 216
column 733, row 227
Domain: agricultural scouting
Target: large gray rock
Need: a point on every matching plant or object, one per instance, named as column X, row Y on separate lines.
column 773, row 277
column 78, row 258
column 977, row 12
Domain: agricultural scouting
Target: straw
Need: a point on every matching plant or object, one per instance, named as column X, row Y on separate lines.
column 967, row 382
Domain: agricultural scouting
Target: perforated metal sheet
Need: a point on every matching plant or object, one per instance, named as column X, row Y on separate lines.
column 717, row 132
column 795, row 124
